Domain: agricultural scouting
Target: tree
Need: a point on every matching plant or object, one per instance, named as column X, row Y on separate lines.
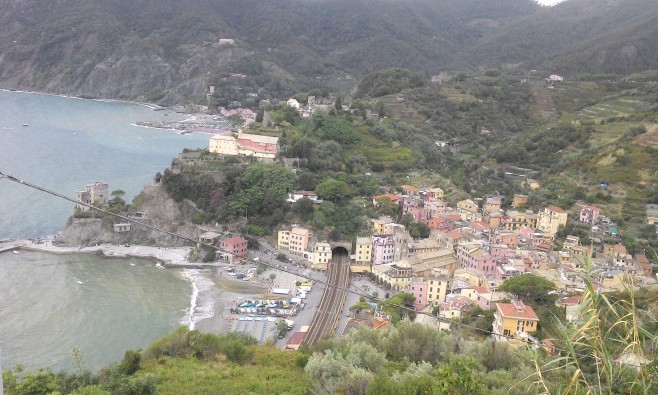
column 261, row 188
column 385, row 206
column 338, row 105
column 282, row 326
column 304, row 207
column 118, row 197
column 330, row 127
column 399, row 306
column 332, row 189
column 530, row 288
column 458, row 377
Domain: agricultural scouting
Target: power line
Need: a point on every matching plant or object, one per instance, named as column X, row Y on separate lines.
column 455, row 327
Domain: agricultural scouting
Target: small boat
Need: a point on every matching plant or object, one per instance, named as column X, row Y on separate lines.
column 159, row 266
column 16, row 252
column 133, row 265
column 80, row 282
column 25, row 124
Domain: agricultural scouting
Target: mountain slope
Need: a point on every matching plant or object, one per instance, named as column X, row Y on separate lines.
column 597, row 36
column 168, row 51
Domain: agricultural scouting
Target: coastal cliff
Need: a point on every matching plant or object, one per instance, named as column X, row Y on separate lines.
column 153, row 206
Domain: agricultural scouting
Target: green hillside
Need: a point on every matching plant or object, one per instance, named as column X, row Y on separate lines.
column 168, row 51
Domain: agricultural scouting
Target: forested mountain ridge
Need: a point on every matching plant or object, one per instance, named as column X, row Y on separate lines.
column 168, row 51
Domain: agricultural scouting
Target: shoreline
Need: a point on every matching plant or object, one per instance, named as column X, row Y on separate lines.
column 213, row 321
column 175, row 257
column 152, row 106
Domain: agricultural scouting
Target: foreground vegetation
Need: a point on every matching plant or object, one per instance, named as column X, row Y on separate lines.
column 407, row 358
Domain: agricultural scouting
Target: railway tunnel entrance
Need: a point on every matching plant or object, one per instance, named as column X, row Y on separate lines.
column 340, row 251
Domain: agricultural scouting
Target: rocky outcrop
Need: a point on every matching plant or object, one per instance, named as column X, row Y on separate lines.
column 152, row 207
column 129, row 76
column 81, row 232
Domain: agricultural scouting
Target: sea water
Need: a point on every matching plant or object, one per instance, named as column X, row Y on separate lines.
column 50, row 304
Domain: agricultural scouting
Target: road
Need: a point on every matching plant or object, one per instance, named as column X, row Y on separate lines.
column 328, row 314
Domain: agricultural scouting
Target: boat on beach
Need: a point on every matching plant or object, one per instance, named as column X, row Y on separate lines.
column 16, row 252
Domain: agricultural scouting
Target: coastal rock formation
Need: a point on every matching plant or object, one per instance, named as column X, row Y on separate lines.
column 81, row 232
column 154, row 207
column 160, row 210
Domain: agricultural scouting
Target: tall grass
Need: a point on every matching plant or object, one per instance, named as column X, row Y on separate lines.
column 591, row 349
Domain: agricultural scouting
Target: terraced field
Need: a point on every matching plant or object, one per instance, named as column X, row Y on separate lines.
column 619, row 108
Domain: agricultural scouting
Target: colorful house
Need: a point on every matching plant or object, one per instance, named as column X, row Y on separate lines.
column 550, row 219
column 237, row 246
column 514, row 321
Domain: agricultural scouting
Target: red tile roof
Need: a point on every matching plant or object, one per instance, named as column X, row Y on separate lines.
column 234, row 240
column 555, row 209
column 391, row 196
column 571, row 300
column 510, row 310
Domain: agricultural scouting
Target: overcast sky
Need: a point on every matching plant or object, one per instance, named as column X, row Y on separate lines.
column 549, row 2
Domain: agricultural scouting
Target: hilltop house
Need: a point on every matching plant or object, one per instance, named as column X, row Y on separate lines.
column 96, row 193
column 514, row 321
column 590, row 215
column 244, row 144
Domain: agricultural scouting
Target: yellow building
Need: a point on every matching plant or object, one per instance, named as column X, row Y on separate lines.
column 437, row 289
column 519, row 200
column 362, row 255
column 223, row 145
column 244, row 144
column 436, row 193
column 514, row 220
column 531, row 184
column 398, row 275
column 468, row 205
column 514, row 321
column 550, row 219
column 379, row 225
column 283, row 240
column 321, row 256
column 299, row 240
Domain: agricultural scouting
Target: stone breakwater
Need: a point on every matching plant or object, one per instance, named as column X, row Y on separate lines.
column 171, row 257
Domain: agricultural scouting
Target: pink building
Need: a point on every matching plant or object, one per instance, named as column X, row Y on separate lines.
column 500, row 251
column 471, row 255
column 418, row 288
column 236, row 246
column 383, row 250
column 507, row 238
column 444, row 223
column 419, row 214
column 590, row 214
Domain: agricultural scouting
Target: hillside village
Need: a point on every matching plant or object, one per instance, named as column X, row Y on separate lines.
column 472, row 249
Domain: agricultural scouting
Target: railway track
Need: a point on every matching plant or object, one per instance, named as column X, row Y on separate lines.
column 331, row 305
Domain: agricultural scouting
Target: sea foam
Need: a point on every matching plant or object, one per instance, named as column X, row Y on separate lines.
column 202, row 305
